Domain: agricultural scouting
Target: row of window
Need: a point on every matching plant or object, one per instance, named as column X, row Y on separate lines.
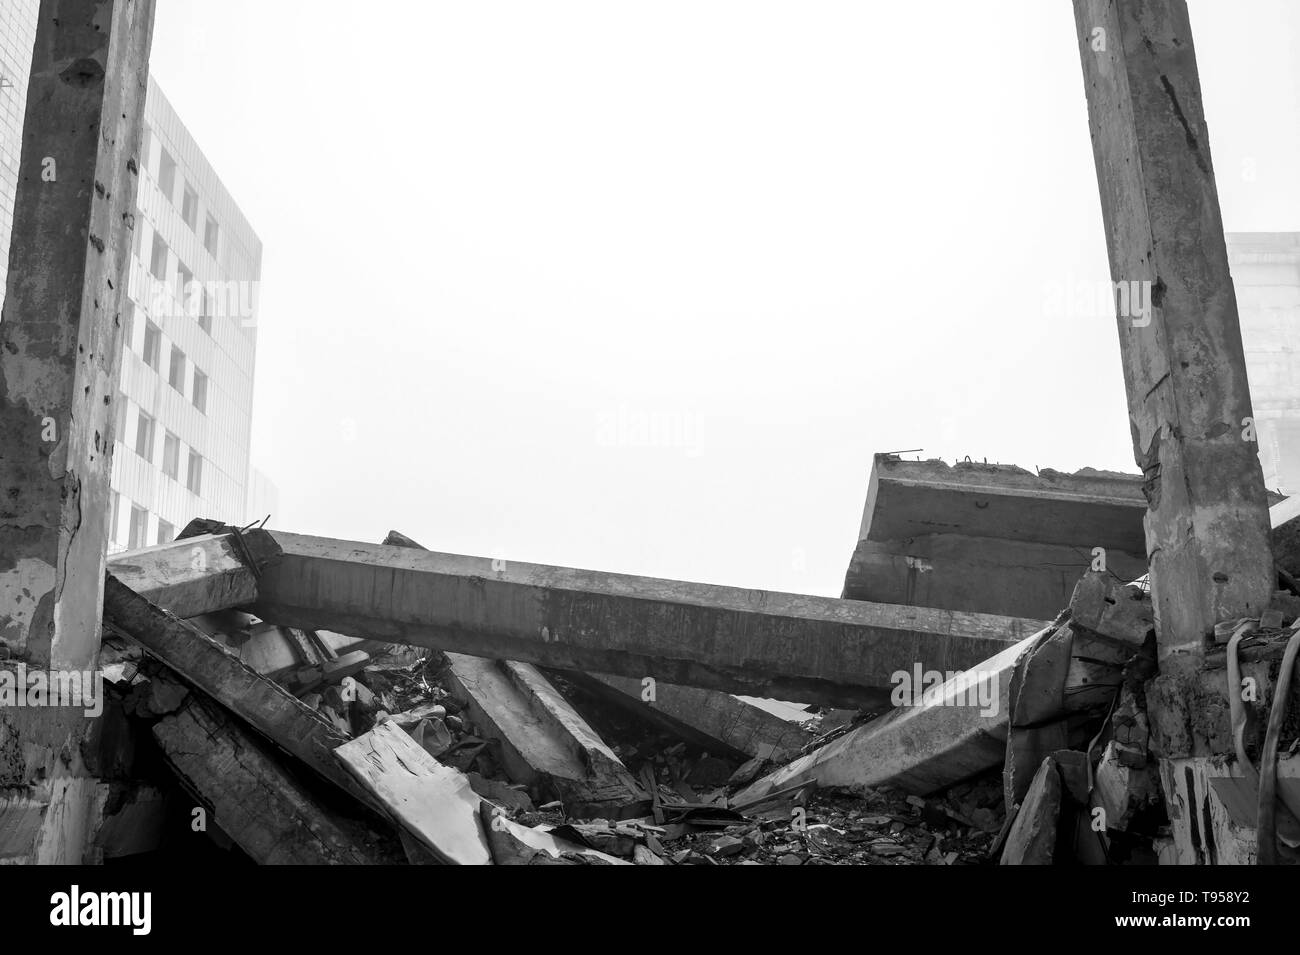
column 193, row 297
column 166, row 179
column 145, row 430
column 137, row 532
column 144, row 443
column 150, row 351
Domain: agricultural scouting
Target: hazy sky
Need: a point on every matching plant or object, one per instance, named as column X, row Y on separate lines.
column 643, row 286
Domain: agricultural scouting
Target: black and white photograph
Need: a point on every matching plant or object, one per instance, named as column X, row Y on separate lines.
column 574, row 433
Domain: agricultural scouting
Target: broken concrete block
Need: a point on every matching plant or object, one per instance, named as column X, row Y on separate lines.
column 434, row 803
column 991, row 538
column 1032, row 838
column 1121, row 790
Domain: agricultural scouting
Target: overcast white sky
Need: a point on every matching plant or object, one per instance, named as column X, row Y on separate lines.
column 642, row 286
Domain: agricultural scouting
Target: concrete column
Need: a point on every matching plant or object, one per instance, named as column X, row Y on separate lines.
column 59, row 340
column 1207, row 527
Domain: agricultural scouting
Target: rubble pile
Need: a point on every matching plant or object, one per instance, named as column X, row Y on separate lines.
column 291, row 745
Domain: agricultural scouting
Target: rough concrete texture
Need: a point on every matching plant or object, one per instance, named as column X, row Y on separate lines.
column 59, row 353
column 991, row 538
column 760, row 643
column 1207, row 528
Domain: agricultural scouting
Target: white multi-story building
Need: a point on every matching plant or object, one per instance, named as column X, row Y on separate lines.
column 1266, row 274
column 185, row 395
column 185, row 402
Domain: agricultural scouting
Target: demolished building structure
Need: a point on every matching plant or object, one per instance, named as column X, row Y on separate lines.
column 1023, row 668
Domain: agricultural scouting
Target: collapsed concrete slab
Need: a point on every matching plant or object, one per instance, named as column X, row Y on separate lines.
column 438, row 809
column 785, row 646
column 991, row 538
column 715, row 721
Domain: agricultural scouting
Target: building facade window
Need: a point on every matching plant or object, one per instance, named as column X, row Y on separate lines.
column 152, row 344
column 167, row 175
column 137, row 535
column 158, row 258
column 190, row 208
column 194, row 476
column 113, row 512
column 144, row 437
column 165, row 532
column 119, row 426
column 171, row 464
column 205, row 311
column 211, row 235
column 128, row 325
column 184, row 280
column 199, row 396
column 176, row 370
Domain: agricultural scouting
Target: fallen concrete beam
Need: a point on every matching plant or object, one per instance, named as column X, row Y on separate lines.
column 253, row 800
column 921, row 749
column 214, row 669
column 991, row 538
column 712, row 720
column 960, row 728
column 545, row 743
column 785, row 646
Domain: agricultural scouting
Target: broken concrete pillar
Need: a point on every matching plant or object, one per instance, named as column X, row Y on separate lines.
column 1207, row 525
column 59, row 355
column 992, row 538
column 785, row 646
column 1190, row 415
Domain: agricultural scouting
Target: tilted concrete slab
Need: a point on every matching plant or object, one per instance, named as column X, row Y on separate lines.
column 760, row 643
column 716, row 721
column 918, row 748
column 545, row 742
column 991, row 538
